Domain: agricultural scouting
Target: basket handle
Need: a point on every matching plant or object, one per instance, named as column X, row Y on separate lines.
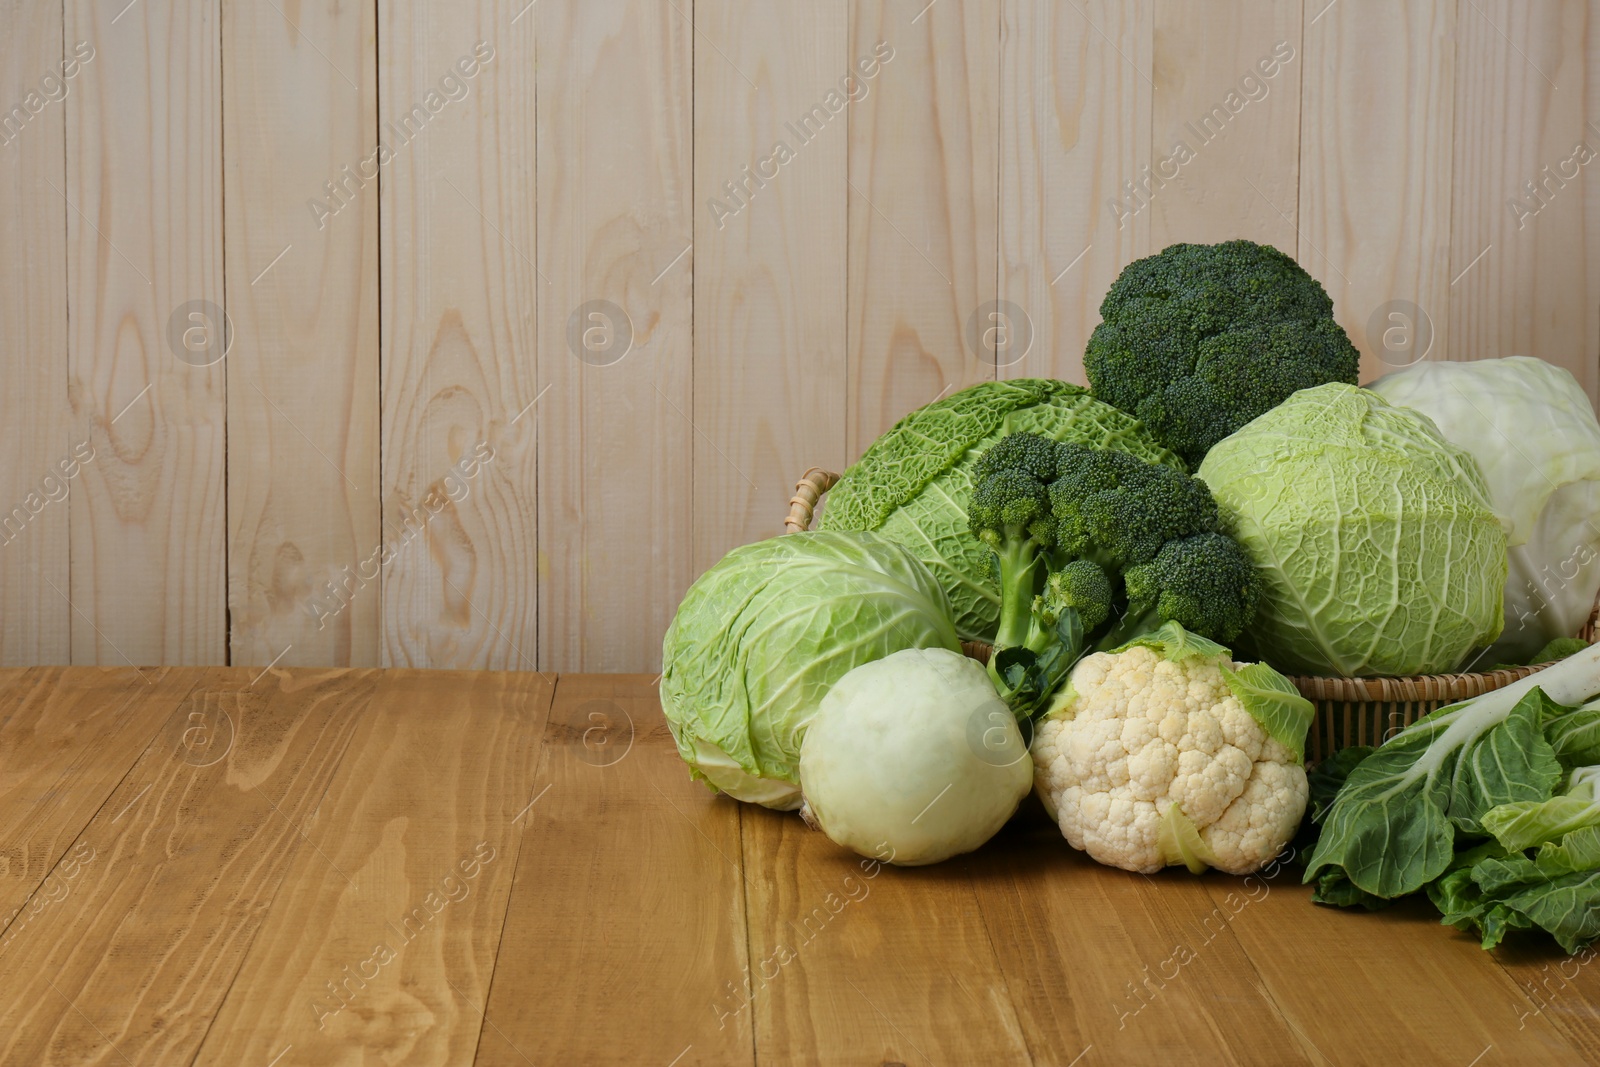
column 807, row 492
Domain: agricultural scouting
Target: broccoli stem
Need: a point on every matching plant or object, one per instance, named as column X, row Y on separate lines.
column 1135, row 621
column 1022, row 572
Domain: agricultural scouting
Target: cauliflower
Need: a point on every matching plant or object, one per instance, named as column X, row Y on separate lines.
column 1167, row 752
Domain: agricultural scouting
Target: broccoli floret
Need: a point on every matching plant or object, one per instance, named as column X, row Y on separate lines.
column 1198, row 340
column 1205, row 583
column 1079, row 532
column 1010, row 512
column 1080, row 585
column 1118, row 510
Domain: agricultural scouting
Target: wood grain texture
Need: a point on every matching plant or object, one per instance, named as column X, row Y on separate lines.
column 278, row 830
column 1120, row 967
column 144, row 238
column 1413, row 975
column 616, row 221
column 629, row 868
column 69, row 738
column 1521, row 195
column 383, row 939
column 852, row 959
column 769, row 297
column 303, row 373
column 1227, row 90
column 1376, row 158
column 1555, row 989
column 35, row 435
column 459, row 303
column 173, row 875
column 923, row 134
column 404, row 251
column 1075, row 117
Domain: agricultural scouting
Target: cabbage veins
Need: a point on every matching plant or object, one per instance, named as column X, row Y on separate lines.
column 913, row 484
column 1378, row 549
column 762, row 636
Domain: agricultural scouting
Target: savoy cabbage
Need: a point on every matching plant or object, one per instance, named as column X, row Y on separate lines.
column 913, row 484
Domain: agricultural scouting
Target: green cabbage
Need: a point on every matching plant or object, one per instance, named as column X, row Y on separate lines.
column 912, row 485
column 1378, row 550
column 760, row 638
column 1532, row 429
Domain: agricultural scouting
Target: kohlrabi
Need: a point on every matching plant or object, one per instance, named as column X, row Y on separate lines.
column 913, row 759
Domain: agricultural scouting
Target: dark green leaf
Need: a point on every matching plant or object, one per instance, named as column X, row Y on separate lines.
column 1326, row 778
column 1568, row 907
column 1069, row 629
column 1389, row 828
column 1574, row 735
column 1509, row 762
column 1335, row 889
column 1458, row 898
column 1014, row 664
column 1497, row 874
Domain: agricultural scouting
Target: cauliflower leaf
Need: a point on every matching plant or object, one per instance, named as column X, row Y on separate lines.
column 1274, row 702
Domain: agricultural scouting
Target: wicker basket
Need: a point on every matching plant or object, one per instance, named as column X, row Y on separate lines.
column 1350, row 711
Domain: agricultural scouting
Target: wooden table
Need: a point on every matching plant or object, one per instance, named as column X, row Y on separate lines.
column 359, row 867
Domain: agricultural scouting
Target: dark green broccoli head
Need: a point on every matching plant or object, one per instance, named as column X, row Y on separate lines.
column 1081, row 585
column 1205, row 583
column 1010, row 493
column 1198, row 340
column 1075, row 531
column 1028, row 453
column 1119, row 510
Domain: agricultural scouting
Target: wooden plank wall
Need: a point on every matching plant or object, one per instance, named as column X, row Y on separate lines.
column 468, row 336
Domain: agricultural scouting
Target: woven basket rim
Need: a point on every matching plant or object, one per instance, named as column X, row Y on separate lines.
column 1413, row 688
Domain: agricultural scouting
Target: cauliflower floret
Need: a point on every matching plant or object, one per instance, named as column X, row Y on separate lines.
column 1135, row 734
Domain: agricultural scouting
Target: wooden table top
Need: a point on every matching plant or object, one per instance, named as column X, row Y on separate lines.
column 225, row 866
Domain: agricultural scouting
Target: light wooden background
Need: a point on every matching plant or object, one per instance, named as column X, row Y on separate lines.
column 377, row 350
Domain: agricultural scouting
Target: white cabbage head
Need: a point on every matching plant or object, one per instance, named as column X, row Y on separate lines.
column 1533, row 431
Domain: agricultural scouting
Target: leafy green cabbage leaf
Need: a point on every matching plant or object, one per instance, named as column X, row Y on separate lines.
column 1463, row 805
column 1378, row 549
column 1496, row 894
column 760, row 638
column 912, row 485
column 1393, row 826
column 1575, row 734
column 1274, row 702
column 1525, row 824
